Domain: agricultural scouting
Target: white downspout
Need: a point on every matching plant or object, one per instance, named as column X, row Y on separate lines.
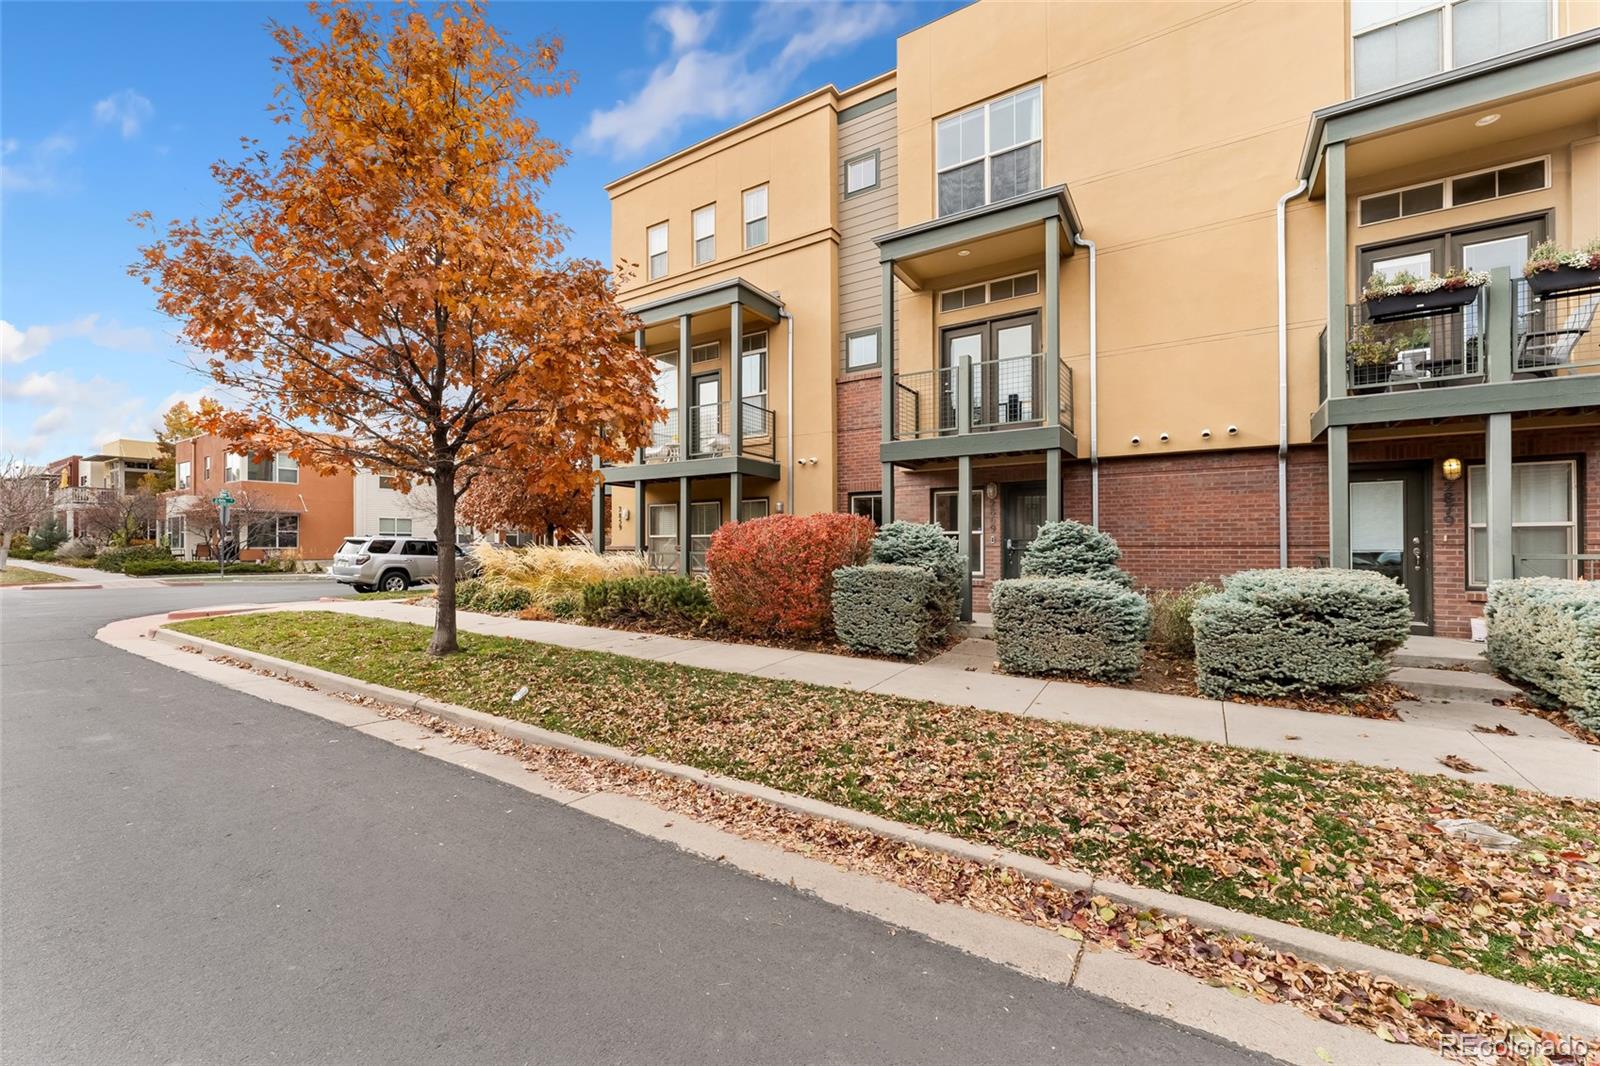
column 1283, row 373
column 1094, row 378
column 788, row 457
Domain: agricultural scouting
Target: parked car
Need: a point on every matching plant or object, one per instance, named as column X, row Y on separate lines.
column 392, row 564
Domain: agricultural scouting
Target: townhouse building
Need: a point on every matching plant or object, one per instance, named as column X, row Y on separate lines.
column 1104, row 261
column 83, row 482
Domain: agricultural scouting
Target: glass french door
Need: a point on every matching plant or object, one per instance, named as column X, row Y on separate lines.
column 1389, row 533
column 1005, row 376
column 707, row 414
column 1021, row 515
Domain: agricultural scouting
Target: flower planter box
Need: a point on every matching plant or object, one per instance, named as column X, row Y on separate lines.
column 1563, row 279
column 1418, row 304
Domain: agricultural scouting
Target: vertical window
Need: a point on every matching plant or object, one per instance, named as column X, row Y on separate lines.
column 656, row 247
column 665, row 432
column 749, row 510
column 868, row 505
column 861, row 350
column 705, row 234
column 991, row 152
column 755, row 216
column 289, row 531
column 704, row 518
column 287, row 469
column 175, row 533
column 662, row 542
column 1397, row 41
column 861, row 173
column 184, row 474
column 753, row 384
column 1544, row 508
column 944, row 515
column 232, row 467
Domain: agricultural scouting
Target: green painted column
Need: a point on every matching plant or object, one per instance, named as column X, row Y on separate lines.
column 1051, row 377
column 1052, row 484
column 735, row 494
column 1501, row 562
column 640, row 512
column 1339, row 497
column 735, row 431
column 683, row 526
column 1498, row 324
column 597, row 516
column 888, row 493
column 1335, row 204
column 686, row 419
column 964, row 528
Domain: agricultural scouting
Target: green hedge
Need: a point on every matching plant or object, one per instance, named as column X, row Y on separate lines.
column 492, row 597
column 924, row 544
column 111, row 560
column 887, row 608
column 169, row 565
column 1288, row 632
column 1546, row 631
column 1072, row 549
column 651, row 599
column 1077, row 626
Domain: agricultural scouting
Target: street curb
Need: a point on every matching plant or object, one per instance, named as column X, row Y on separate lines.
column 1515, row 1002
column 61, row 585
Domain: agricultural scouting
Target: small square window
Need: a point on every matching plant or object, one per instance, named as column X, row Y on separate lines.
column 861, row 350
column 861, row 173
column 868, row 505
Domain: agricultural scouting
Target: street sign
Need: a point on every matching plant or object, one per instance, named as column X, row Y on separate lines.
column 224, row 499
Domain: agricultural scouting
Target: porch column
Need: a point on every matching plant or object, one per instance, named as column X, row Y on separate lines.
column 686, row 419
column 638, row 342
column 1051, row 377
column 886, row 494
column 964, row 533
column 1052, row 484
column 597, row 526
column 1498, row 325
column 886, row 361
column 736, row 387
column 1334, row 206
column 1339, row 496
column 1501, row 562
column 639, row 513
column 735, row 494
column 683, row 526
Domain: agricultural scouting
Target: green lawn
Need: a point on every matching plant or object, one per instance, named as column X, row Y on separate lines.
column 1346, row 849
column 21, row 575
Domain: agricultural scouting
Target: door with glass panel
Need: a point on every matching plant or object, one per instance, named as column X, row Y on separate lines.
column 706, row 436
column 1496, row 246
column 1005, row 374
column 969, row 341
column 663, row 539
column 704, row 518
column 1022, row 510
column 1389, row 533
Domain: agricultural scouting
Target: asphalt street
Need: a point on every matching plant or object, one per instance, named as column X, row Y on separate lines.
column 193, row 875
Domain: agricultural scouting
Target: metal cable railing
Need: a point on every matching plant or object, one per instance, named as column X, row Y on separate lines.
column 1556, row 335
column 1445, row 348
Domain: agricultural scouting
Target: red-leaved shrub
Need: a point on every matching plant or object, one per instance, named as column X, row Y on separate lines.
column 775, row 575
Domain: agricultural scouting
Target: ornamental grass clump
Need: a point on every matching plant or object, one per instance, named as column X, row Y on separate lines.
column 1298, row 631
column 1545, row 631
column 1072, row 549
column 551, row 579
column 886, row 608
column 774, row 576
column 1073, row 626
column 1172, row 618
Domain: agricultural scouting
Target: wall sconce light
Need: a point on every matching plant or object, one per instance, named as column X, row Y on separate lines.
column 1452, row 469
column 624, row 514
column 778, row 506
column 991, row 490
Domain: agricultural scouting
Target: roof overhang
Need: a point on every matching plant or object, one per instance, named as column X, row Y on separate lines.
column 1575, row 57
column 1007, row 229
column 715, row 296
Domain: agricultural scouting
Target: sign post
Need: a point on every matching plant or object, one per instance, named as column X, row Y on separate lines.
column 223, row 500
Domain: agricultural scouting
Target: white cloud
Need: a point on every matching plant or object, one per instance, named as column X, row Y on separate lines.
column 125, row 109
column 687, row 26
column 20, row 345
column 67, row 415
column 34, row 167
column 735, row 82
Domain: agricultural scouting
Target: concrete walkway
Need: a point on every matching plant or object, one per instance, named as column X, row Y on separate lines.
column 1540, row 756
column 88, row 575
column 71, row 573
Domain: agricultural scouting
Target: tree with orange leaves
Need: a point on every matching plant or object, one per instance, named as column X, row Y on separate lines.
column 389, row 275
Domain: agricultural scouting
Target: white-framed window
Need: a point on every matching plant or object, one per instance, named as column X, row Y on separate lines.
column 655, row 239
column 394, row 527
column 386, row 481
column 1544, row 518
column 287, row 469
column 704, row 518
column 1527, row 175
column 861, row 173
column 1008, row 288
column 280, row 468
column 662, row 536
column 944, row 515
column 753, row 384
column 861, row 350
column 708, row 352
column 991, row 152
column 704, row 222
column 749, row 510
column 185, row 474
column 755, row 216
column 280, row 531
column 1396, row 41
column 232, row 467
column 175, row 533
column 208, row 468
column 868, row 505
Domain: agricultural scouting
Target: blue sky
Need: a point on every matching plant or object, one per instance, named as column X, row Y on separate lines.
column 112, row 108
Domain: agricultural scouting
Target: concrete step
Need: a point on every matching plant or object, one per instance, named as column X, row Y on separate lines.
column 1464, row 685
column 1442, row 653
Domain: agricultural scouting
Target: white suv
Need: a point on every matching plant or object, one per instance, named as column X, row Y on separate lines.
column 391, row 564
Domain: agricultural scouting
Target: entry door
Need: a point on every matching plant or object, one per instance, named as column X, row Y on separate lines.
column 1021, row 515
column 1014, row 375
column 1389, row 533
column 704, row 518
column 707, row 413
column 1497, row 246
column 971, row 341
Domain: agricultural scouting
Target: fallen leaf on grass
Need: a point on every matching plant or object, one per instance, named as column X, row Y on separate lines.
column 1460, row 765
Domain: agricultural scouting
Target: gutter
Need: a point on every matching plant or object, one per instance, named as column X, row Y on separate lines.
column 1283, row 372
column 1094, row 376
column 783, row 313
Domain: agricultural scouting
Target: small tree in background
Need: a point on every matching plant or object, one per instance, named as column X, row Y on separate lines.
column 203, row 519
column 179, row 422
column 118, row 518
column 389, row 274
column 25, row 499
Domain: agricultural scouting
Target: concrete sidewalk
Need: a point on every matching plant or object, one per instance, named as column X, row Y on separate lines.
column 1540, row 757
column 105, row 579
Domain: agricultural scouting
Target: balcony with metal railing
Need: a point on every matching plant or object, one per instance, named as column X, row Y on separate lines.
column 1445, row 348
column 993, row 395
column 710, row 435
column 82, row 495
column 1556, row 335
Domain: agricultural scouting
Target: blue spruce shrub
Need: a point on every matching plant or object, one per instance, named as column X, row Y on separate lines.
column 1545, row 631
column 1072, row 549
column 1298, row 631
column 886, row 608
column 924, row 544
column 1074, row 626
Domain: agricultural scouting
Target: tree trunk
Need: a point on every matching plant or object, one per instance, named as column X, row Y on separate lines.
column 444, row 531
column 5, row 548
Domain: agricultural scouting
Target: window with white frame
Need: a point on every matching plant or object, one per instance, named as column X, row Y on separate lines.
column 175, row 533
column 755, row 216
column 655, row 239
column 751, row 509
column 1529, row 175
column 945, row 516
column 394, row 527
column 662, row 539
column 1396, row 41
column 281, row 531
column 861, row 173
column 705, row 234
column 991, row 152
column 708, row 352
column 208, row 468
column 753, row 384
column 868, row 505
column 1544, row 513
column 232, row 467
column 280, row 468
column 861, row 350
column 185, row 474
column 1009, row 288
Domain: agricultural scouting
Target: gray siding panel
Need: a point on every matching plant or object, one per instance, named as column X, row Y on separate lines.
column 862, row 217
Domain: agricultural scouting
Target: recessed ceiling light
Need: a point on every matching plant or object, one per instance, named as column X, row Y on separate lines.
column 965, row 252
column 1488, row 120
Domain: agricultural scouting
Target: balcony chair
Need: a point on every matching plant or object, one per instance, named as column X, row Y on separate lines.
column 1543, row 352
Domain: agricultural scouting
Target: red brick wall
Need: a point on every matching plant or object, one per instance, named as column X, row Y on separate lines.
column 859, row 403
